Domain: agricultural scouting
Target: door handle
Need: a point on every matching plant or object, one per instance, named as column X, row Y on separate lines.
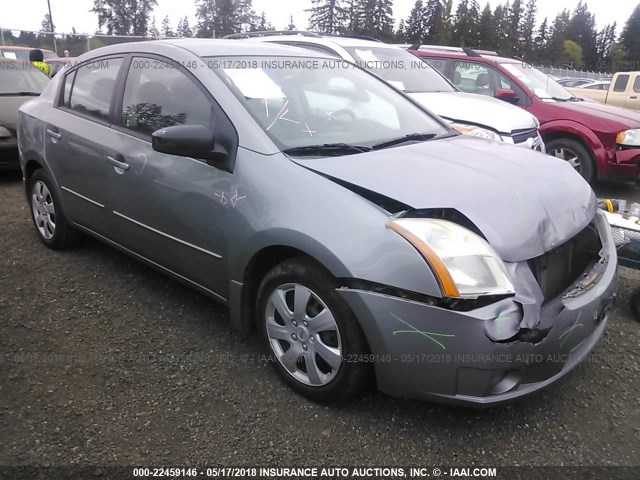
column 117, row 163
column 54, row 135
column 634, row 97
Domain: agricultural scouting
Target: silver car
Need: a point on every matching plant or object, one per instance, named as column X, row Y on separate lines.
column 371, row 244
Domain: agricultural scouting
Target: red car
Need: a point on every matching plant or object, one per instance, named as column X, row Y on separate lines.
column 600, row 141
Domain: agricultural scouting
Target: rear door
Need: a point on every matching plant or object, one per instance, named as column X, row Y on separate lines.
column 79, row 141
column 172, row 210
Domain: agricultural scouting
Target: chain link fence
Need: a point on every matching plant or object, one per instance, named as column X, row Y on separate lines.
column 75, row 43
column 572, row 73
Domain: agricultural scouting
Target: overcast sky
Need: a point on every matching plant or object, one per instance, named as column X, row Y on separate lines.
column 28, row 14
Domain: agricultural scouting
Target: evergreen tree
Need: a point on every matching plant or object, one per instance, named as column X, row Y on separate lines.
column 487, row 34
column 501, row 20
column 541, row 41
column 466, row 31
column 224, row 17
column 604, row 42
column 528, row 25
column 355, row 13
column 124, row 17
column 514, row 27
column 557, row 36
column 401, row 34
column 372, row 18
column 263, row 24
column 328, row 16
column 416, row 25
column 582, row 30
column 630, row 39
column 291, row 25
column 153, row 28
column 184, row 30
column 437, row 25
column 167, row 31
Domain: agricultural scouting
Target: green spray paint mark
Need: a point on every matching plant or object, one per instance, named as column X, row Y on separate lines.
column 500, row 318
column 429, row 335
column 568, row 331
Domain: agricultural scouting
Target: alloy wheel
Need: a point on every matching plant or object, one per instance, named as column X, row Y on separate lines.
column 569, row 156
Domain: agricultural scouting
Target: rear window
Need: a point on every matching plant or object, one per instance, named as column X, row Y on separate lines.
column 93, row 88
column 621, row 83
column 20, row 78
column 636, row 85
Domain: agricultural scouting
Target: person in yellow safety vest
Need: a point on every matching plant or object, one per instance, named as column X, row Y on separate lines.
column 36, row 58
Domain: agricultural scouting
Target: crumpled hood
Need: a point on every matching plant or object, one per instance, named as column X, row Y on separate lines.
column 9, row 110
column 478, row 109
column 525, row 203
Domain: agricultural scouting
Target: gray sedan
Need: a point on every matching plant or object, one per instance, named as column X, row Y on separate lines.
column 366, row 241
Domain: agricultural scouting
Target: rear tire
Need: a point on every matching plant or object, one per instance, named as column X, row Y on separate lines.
column 576, row 154
column 52, row 227
column 311, row 334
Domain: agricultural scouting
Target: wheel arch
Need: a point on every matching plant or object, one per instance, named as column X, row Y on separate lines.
column 587, row 138
column 243, row 294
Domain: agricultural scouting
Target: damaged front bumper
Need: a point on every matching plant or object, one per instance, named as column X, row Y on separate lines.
column 490, row 355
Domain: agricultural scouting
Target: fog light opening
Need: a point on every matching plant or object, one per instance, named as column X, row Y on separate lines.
column 505, row 383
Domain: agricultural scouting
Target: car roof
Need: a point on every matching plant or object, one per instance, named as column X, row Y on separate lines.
column 59, row 59
column 204, row 47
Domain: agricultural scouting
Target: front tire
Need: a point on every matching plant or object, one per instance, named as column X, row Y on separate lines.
column 314, row 338
column 576, row 154
column 52, row 227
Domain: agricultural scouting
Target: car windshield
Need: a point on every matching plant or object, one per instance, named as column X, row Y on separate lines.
column 543, row 86
column 401, row 69
column 20, row 78
column 317, row 102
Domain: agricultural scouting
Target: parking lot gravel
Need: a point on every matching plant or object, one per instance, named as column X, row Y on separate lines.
column 105, row 361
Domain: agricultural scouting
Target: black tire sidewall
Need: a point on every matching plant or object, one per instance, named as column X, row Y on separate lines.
column 586, row 159
column 353, row 376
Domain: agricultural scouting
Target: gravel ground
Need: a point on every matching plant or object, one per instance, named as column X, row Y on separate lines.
column 159, row 378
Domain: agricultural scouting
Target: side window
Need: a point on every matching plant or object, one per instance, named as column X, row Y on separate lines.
column 504, row 82
column 439, row 64
column 159, row 94
column 93, row 88
column 66, row 94
column 636, row 84
column 621, row 83
column 472, row 77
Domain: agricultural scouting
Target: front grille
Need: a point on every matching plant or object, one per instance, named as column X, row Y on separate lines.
column 521, row 136
column 558, row 269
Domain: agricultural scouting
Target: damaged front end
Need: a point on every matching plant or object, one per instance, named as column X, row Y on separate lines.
column 548, row 282
column 490, row 350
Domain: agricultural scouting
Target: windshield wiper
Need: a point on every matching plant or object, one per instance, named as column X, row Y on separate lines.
column 327, row 149
column 412, row 137
column 19, row 94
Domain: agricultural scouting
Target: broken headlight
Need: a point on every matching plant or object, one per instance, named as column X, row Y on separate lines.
column 464, row 263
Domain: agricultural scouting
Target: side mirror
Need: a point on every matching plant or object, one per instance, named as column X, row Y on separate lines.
column 194, row 141
column 507, row 95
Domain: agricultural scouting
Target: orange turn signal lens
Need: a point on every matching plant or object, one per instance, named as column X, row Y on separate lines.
column 447, row 285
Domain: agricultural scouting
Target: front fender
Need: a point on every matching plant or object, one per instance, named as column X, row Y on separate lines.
column 590, row 139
